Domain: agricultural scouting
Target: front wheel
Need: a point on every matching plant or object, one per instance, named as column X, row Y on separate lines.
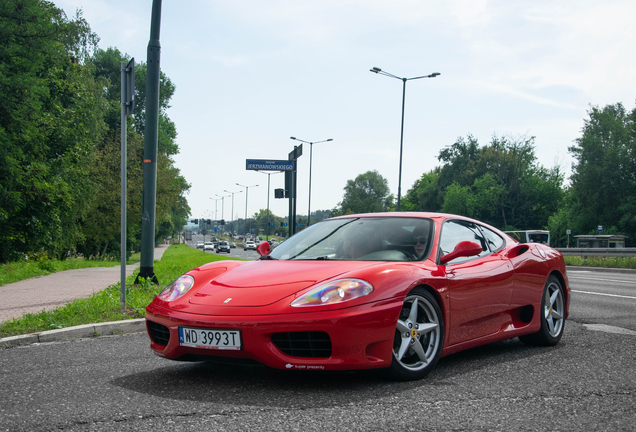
column 552, row 316
column 419, row 337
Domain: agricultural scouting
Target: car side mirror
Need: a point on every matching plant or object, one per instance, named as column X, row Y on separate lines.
column 263, row 248
column 463, row 249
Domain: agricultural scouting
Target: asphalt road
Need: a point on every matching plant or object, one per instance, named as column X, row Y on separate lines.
column 587, row 382
column 237, row 252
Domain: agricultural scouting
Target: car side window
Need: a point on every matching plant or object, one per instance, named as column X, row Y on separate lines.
column 455, row 231
column 495, row 242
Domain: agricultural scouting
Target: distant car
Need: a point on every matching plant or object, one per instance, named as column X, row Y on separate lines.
column 208, row 246
column 249, row 245
column 223, row 246
column 199, row 245
column 232, row 245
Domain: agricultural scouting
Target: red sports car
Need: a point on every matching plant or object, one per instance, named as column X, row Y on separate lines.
column 387, row 290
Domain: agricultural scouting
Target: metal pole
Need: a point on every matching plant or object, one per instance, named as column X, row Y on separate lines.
column 401, row 141
column 268, row 174
column 246, row 192
column 245, row 221
column 123, row 124
column 377, row 70
column 311, row 147
column 146, row 268
column 246, row 195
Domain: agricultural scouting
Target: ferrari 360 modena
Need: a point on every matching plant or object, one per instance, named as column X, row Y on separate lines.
column 393, row 291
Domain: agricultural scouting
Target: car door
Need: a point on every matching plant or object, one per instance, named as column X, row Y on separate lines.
column 479, row 288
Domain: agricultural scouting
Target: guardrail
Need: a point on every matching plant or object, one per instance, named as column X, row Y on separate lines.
column 598, row 252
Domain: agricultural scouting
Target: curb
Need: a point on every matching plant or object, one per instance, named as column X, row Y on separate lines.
column 77, row 332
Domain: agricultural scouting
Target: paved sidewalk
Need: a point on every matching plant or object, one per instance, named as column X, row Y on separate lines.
column 57, row 289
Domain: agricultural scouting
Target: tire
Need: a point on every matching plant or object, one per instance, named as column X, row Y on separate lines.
column 552, row 316
column 419, row 337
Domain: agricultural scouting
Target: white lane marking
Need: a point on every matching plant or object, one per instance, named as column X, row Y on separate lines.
column 609, row 329
column 603, row 294
column 604, row 280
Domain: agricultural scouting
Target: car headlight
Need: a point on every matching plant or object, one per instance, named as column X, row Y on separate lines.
column 176, row 288
column 338, row 291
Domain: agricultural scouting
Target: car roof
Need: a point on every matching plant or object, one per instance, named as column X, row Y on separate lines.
column 430, row 215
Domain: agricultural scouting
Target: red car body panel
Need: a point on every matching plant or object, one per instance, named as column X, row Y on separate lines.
column 483, row 300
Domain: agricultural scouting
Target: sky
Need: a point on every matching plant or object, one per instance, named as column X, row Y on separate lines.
column 250, row 74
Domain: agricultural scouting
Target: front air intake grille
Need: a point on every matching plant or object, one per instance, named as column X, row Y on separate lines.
column 316, row 344
column 160, row 334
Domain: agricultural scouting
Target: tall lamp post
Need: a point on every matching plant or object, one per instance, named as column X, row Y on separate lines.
column 377, row 70
column 232, row 215
column 311, row 146
column 222, row 198
column 216, row 202
column 246, row 192
column 268, row 174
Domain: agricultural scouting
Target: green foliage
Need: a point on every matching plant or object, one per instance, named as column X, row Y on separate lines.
column 60, row 140
column 605, row 262
column 426, row 194
column 368, row 193
column 499, row 183
column 49, row 119
column 603, row 181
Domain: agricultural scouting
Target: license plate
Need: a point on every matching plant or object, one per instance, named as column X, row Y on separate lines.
column 210, row 338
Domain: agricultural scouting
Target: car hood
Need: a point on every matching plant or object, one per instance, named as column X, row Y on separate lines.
column 263, row 282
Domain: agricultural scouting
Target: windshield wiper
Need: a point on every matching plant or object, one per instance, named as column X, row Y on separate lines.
column 322, row 258
column 267, row 257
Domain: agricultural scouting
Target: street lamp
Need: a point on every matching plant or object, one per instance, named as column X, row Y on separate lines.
column 311, row 146
column 268, row 174
column 216, row 202
column 232, row 215
column 246, row 192
column 222, row 198
column 377, row 70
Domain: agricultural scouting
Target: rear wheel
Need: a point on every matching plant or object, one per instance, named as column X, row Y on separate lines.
column 419, row 337
column 552, row 316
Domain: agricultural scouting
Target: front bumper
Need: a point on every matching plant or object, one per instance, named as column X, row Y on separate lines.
column 361, row 336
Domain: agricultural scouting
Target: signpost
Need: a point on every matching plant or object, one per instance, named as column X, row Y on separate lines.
column 290, row 185
column 127, row 106
column 290, row 168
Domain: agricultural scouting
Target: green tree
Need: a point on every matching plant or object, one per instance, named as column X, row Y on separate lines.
column 499, row 183
column 50, row 117
column 368, row 193
column 459, row 200
column 603, row 181
column 172, row 208
column 426, row 194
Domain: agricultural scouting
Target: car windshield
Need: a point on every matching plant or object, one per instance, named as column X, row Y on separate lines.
column 360, row 239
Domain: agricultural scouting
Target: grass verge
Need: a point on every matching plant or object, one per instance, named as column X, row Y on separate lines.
column 609, row 262
column 105, row 305
column 21, row 270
